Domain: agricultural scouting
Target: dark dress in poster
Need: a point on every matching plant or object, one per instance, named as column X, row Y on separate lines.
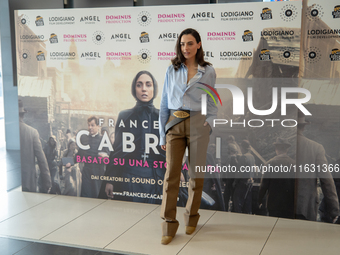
column 138, row 172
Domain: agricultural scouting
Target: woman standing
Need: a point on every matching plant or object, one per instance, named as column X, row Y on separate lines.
column 182, row 125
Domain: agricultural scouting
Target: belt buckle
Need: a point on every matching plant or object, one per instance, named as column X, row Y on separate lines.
column 181, row 114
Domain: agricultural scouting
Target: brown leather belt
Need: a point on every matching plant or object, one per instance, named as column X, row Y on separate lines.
column 180, row 116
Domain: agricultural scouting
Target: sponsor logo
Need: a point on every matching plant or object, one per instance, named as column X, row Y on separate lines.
column 166, row 55
column 39, row 21
column 314, row 12
column 265, row 55
column 118, row 55
column 25, row 55
column 208, row 54
column 312, row 55
column 247, row 36
column 144, row 18
column 237, row 15
column 24, row 20
column 66, row 20
column 144, row 37
column 173, row 17
column 118, row 19
column 121, row 37
column 336, row 12
column 168, row 37
column 288, row 12
column 266, row 14
column 323, row 33
column 144, row 56
column 53, row 38
column 287, row 55
column 236, row 55
column 98, row 37
column 221, row 36
column 274, row 34
column 90, row 55
column 89, row 19
column 40, row 56
column 75, row 38
column 203, row 16
column 32, row 38
column 61, row 55
column 335, row 55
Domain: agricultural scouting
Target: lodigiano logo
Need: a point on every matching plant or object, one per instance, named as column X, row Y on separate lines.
column 238, row 104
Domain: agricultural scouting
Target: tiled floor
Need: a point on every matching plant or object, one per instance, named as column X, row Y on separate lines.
column 39, row 224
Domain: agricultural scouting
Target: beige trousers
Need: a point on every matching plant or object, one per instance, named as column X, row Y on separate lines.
column 178, row 138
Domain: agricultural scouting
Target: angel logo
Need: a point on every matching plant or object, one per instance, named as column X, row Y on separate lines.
column 335, row 55
column 265, row 55
column 40, row 56
column 266, row 14
column 144, row 37
column 53, row 38
column 144, row 18
column 336, row 12
column 39, row 21
column 247, row 36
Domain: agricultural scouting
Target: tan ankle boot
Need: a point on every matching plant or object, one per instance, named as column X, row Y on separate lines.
column 189, row 230
column 166, row 239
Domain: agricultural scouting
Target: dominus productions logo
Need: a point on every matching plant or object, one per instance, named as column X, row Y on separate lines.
column 247, row 36
column 236, row 55
column 144, row 18
column 312, row 55
column 336, row 12
column 335, row 55
column 266, row 14
column 39, row 21
column 144, row 56
column 171, row 17
column 25, row 55
column 40, row 56
column 265, row 55
column 98, row 37
column 62, row 20
column 168, row 37
column 62, row 55
column 89, row 19
column 75, row 38
column 120, row 37
column 203, row 16
column 32, row 38
column 118, row 55
column 239, row 101
column 118, row 19
column 237, row 15
column 53, row 38
column 221, row 36
column 314, row 12
column 166, row 55
column 24, row 20
column 273, row 34
column 144, row 37
column 289, row 13
column 90, row 55
column 287, row 55
column 323, row 33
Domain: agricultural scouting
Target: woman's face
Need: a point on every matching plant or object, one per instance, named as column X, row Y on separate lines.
column 144, row 88
column 189, row 46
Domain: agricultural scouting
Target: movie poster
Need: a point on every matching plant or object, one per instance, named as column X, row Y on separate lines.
column 88, row 129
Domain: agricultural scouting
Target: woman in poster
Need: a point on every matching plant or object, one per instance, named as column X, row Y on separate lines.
column 182, row 125
column 135, row 160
